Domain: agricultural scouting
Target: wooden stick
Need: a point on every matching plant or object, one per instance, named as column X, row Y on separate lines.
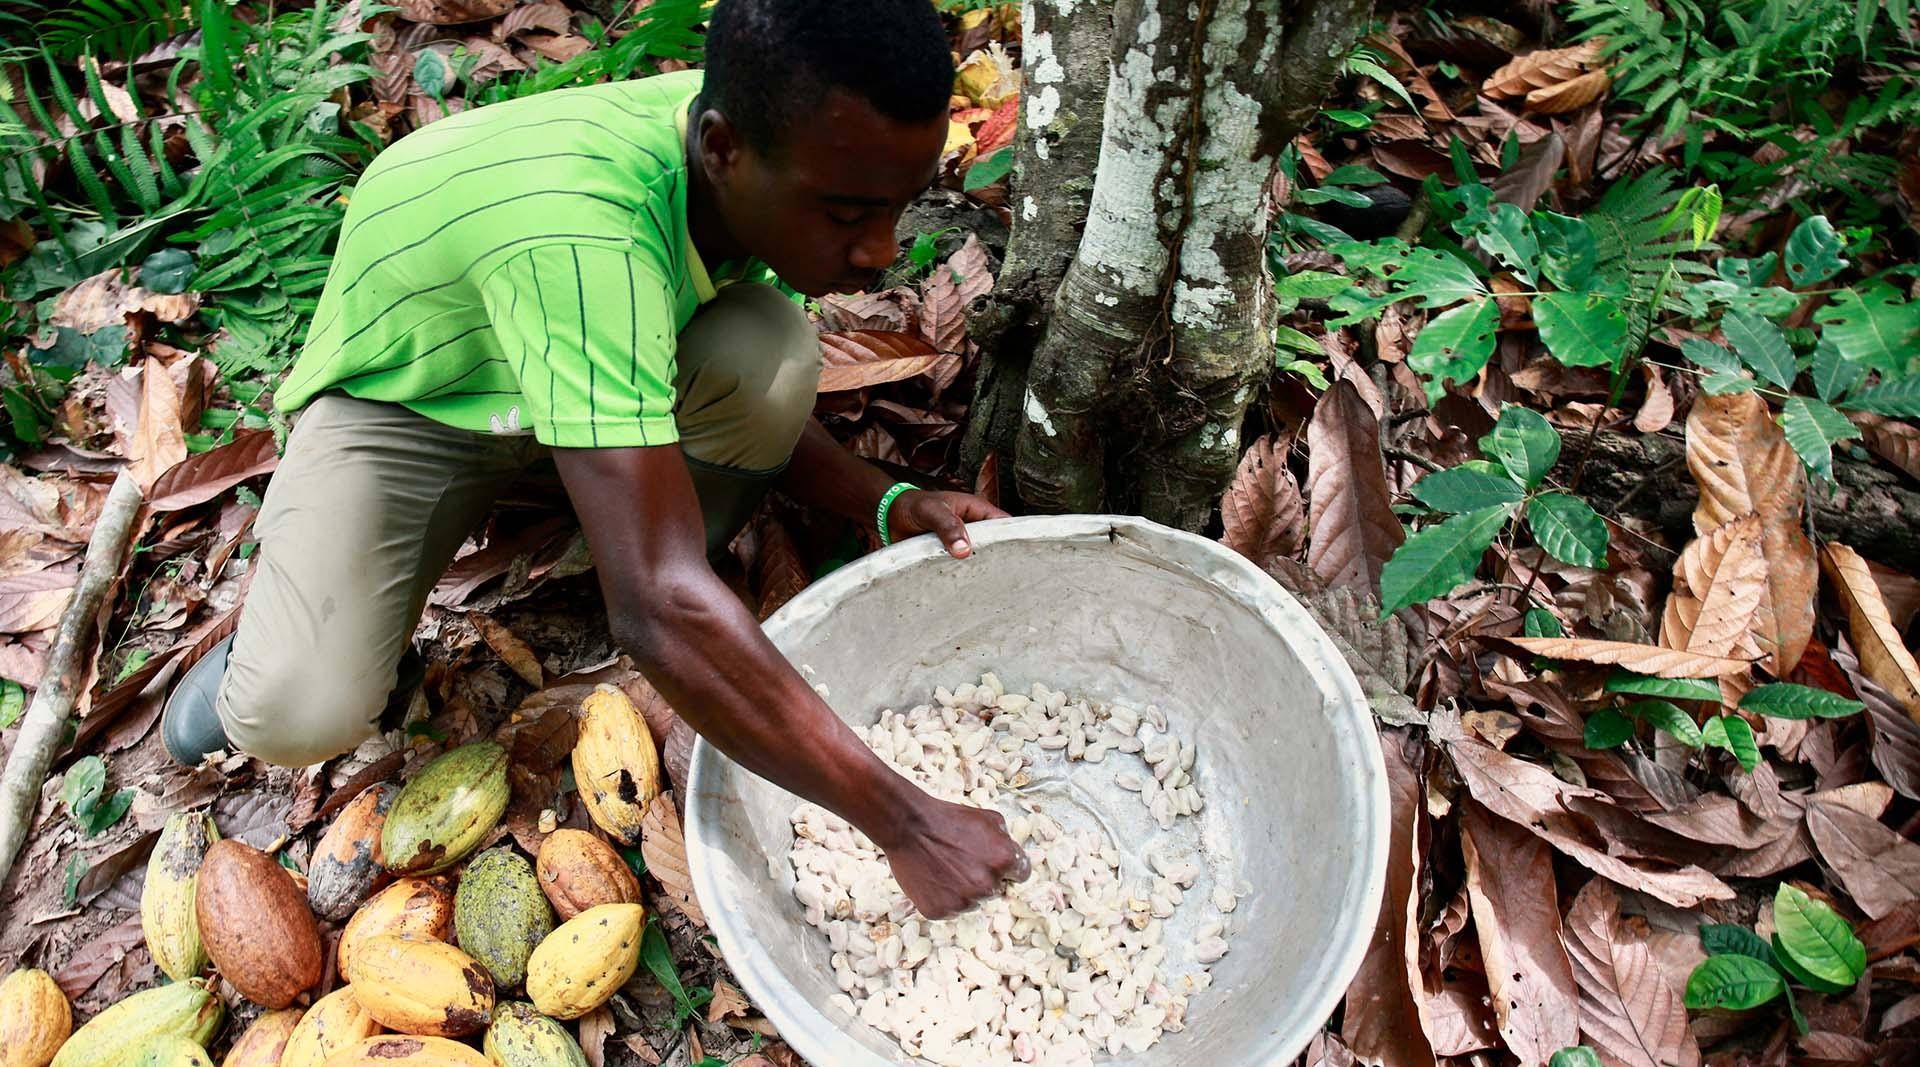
column 46, row 720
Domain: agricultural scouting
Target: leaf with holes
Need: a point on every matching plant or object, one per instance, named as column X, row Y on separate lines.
column 1734, row 982
column 1814, row 943
column 1607, row 728
column 1762, row 346
column 1435, row 279
column 1813, row 427
column 1813, row 252
column 1874, row 325
column 1568, row 252
column 1670, row 688
column 1436, row 560
column 1784, row 700
column 1581, row 330
column 1667, row 717
column 1525, row 443
column 1506, row 235
column 1732, row 733
column 1471, row 486
column 1569, row 530
column 1455, row 345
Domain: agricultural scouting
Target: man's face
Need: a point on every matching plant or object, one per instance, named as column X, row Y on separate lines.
column 821, row 209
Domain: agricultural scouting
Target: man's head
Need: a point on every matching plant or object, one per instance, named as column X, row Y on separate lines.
column 818, row 124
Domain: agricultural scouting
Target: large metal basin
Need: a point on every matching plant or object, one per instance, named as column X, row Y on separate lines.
column 1114, row 608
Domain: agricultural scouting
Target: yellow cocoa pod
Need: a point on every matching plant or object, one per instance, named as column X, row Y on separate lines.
column 35, row 1019
column 346, row 863
column 265, row 1042
column 522, row 1037
column 421, row 987
column 408, row 1051
column 116, row 1037
column 172, row 1051
column 583, row 963
column 446, row 810
column 411, row 907
column 167, row 897
column 336, row 1022
column 615, row 763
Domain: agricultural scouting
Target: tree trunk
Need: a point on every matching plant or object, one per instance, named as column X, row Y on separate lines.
column 1122, row 387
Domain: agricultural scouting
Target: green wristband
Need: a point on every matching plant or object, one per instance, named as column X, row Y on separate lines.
column 886, row 503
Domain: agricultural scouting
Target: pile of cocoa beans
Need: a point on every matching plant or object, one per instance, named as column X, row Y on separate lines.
column 435, row 939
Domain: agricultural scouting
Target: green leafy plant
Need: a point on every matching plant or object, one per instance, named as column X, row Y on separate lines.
column 1577, row 1056
column 84, row 793
column 658, row 958
column 1614, row 724
column 1811, row 945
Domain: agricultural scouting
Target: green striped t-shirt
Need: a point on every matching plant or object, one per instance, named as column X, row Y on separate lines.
column 523, row 267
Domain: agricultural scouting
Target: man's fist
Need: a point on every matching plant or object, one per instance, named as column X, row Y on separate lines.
column 950, row 856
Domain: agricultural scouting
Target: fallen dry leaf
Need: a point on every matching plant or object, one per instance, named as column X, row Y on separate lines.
column 1883, row 654
column 778, row 572
column 1516, row 910
column 948, row 291
column 727, row 1003
column 34, row 601
column 1262, row 512
column 451, row 12
column 106, row 299
column 1717, row 585
column 1353, row 529
column 159, row 443
column 1646, row 659
column 1879, row 868
column 1569, row 95
column 665, row 851
column 595, row 1028
column 1383, row 1022
column 1744, row 466
column 1542, row 69
column 1892, row 440
column 860, row 358
column 1630, row 1011
column 205, row 475
column 510, row 648
column 97, row 955
column 1656, row 411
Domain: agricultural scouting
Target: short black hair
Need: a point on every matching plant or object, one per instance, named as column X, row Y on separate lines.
column 770, row 63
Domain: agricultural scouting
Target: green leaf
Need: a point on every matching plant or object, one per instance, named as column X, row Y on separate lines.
column 1506, row 235
column 76, row 870
column 1813, row 427
column 167, row 270
column 1435, row 279
column 1737, row 983
column 1834, row 376
column 1899, row 398
column 1874, row 325
column 1353, row 120
column 658, row 957
column 1668, row 717
column 1670, row 688
column 1814, row 943
column 1354, row 174
column 104, row 814
column 1367, row 67
column 1310, row 371
column 1607, row 728
column 1813, row 252
column 1525, row 443
column 1436, row 560
column 1568, row 252
column 1721, row 939
column 1455, row 345
column 1793, row 1008
column 1568, row 529
column 1540, row 622
column 1731, row 732
column 1337, row 195
column 1286, row 337
column 72, row 349
column 1471, row 486
column 1312, row 285
column 1581, row 331
column 430, row 74
column 1762, row 346
column 1784, row 700
column 13, row 702
column 84, row 781
column 985, row 172
column 1713, row 357
column 1722, row 384
column 1749, row 273
column 1577, row 1056
column 636, row 860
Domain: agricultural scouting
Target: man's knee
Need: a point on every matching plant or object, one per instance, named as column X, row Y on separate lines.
column 749, row 367
column 296, row 714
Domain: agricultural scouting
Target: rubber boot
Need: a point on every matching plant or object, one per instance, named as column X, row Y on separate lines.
column 190, row 727
column 728, row 498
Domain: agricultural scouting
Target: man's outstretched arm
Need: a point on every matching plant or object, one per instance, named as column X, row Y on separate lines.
column 704, row 652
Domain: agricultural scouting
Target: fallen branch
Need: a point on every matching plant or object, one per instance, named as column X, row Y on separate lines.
column 46, row 720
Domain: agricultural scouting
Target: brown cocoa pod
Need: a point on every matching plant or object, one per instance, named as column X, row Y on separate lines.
column 578, row 871
column 256, row 925
column 347, row 866
column 411, row 907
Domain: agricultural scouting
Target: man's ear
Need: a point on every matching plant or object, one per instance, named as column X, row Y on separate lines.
column 719, row 145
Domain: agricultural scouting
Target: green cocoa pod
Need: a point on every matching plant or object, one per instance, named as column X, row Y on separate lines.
column 446, row 810
column 118, row 1036
column 172, row 1051
column 500, row 914
column 166, row 899
column 522, row 1037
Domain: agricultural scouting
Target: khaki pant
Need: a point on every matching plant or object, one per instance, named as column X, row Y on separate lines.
column 371, row 502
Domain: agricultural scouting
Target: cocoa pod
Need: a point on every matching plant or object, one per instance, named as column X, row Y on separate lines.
column 410, row 907
column 346, row 865
column 579, row 871
column 584, row 962
column 446, row 810
column 265, row 1042
column 522, row 1037
column 420, row 987
column 407, row 1051
column 35, row 1019
column 172, row 1051
column 500, row 914
column 256, row 925
column 167, row 896
column 335, row 1022
column 615, row 763
column 116, row 1036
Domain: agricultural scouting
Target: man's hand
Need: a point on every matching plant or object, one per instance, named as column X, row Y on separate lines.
column 950, row 856
column 945, row 514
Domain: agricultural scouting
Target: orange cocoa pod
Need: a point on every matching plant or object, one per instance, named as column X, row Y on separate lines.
column 410, row 907
column 578, row 871
column 256, row 926
column 347, row 866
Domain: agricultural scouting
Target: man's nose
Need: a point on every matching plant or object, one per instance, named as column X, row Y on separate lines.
column 877, row 248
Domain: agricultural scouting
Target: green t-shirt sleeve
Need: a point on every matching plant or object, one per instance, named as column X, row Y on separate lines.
column 589, row 333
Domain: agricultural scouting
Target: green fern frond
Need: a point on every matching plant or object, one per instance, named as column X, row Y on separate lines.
column 119, row 29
